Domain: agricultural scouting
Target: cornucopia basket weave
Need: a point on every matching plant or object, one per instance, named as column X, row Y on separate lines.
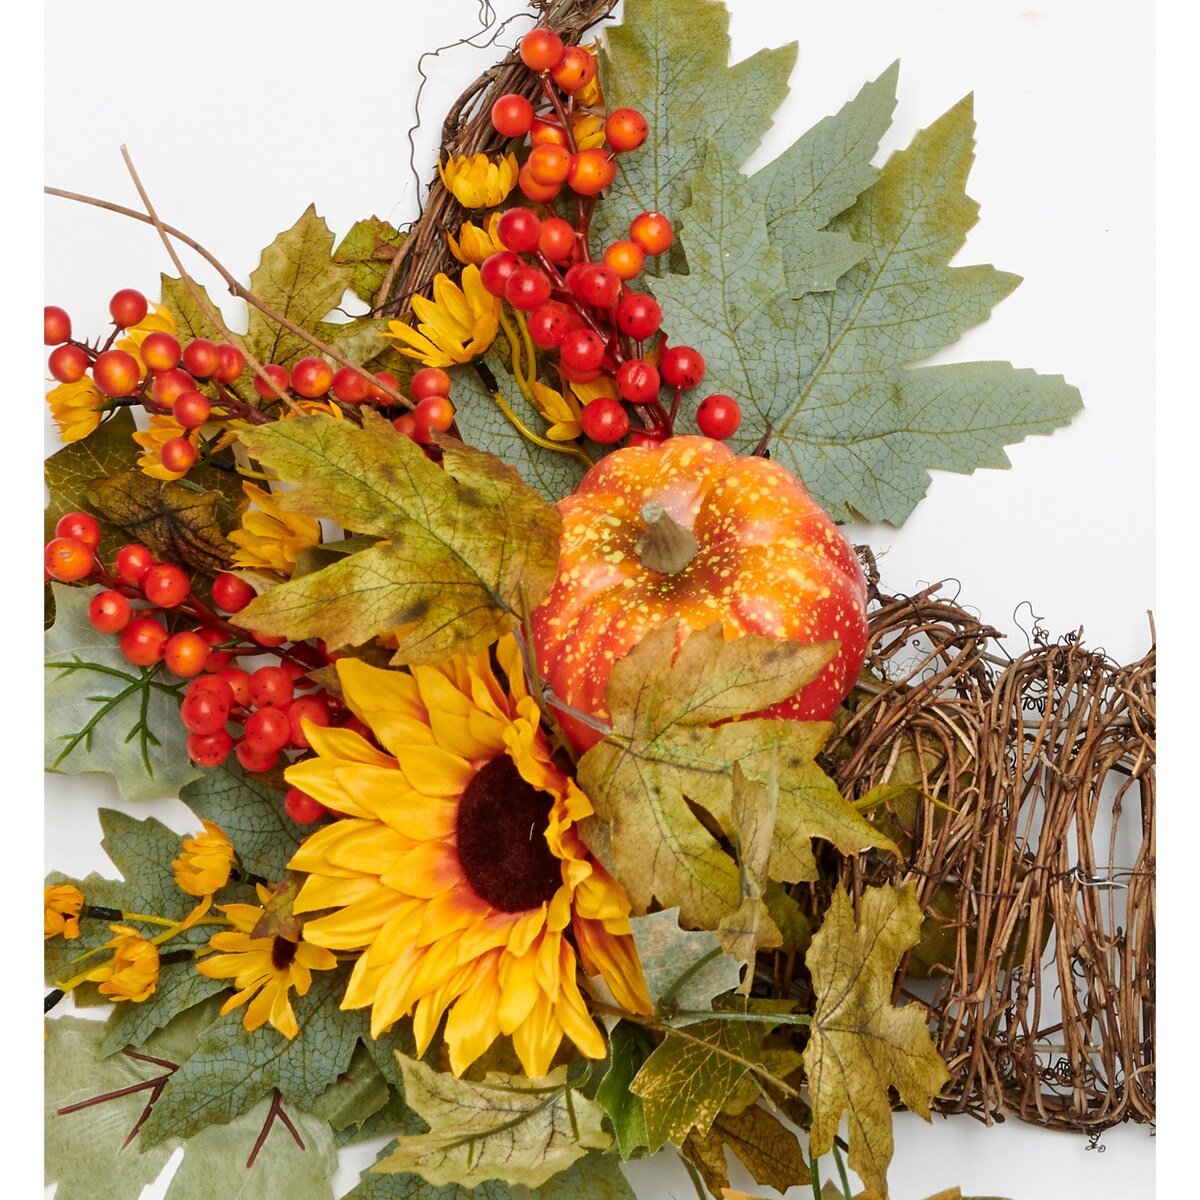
column 1020, row 788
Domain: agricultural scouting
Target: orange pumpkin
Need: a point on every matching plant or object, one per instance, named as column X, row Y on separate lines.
column 689, row 530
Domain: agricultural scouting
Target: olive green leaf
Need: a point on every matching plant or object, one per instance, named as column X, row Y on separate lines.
column 509, row 1127
column 105, row 714
column 596, row 1177
column 685, row 969
column 298, row 278
column 829, row 373
column 459, row 548
column 249, row 808
column 665, row 752
column 85, row 1151
column 357, row 1095
column 684, row 1083
column 481, row 422
column 768, row 1148
column 191, row 321
column 368, row 247
column 234, row 1068
column 178, row 523
column 859, row 1044
column 670, row 61
column 71, row 471
column 629, row 1046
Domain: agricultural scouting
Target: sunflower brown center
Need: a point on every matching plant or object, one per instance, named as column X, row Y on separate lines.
column 502, row 846
column 283, row 951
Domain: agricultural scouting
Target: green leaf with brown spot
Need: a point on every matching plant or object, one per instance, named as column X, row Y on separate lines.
column 178, row 523
column 509, row 1127
column 298, row 278
column 458, row 550
column 859, row 1044
column 71, row 471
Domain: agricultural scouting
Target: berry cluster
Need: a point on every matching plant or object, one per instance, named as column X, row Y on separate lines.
column 582, row 310
column 192, row 383
column 151, row 608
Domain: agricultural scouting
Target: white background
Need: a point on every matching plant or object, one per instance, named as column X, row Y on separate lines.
column 238, row 115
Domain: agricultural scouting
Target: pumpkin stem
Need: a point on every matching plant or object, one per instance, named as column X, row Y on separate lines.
column 666, row 546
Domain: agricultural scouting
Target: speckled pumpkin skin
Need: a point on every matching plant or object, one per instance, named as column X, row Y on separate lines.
column 770, row 561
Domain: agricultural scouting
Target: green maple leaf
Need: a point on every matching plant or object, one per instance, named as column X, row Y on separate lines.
column 249, row 808
column 369, row 247
column 105, row 714
column 84, row 1150
column 191, row 321
column 71, row 471
column 298, row 277
column 859, row 1044
column 629, row 1045
column 481, row 422
column 460, row 549
column 670, row 61
column 665, row 749
column 830, row 373
column 233, row 1068
column 508, row 1127
column 768, row 1148
column 685, row 969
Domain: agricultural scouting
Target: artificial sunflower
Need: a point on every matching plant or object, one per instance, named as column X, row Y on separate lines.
column 560, row 409
column 264, row 969
column 162, row 429
column 207, row 859
column 474, row 243
column 457, row 325
column 132, row 972
column 458, row 871
column 476, row 181
column 64, row 903
column 270, row 538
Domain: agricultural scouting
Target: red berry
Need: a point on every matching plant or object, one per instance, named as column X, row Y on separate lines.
column 378, row 395
column 306, row 708
column 57, row 325
column 718, row 416
column 653, row 232
column 255, row 760
column 639, row 316
column 68, row 559
column 644, row 439
column 201, row 358
column 276, row 382
column 271, row 687
column 625, row 129
column 127, row 307
column 239, row 684
column 625, row 258
column 116, row 373
column 512, row 115
column 231, row 362
column 581, row 350
column 267, row 729
column 81, row 525
column 209, row 749
column 405, row 425
column 548, row 164
column 496, row 269
column 638, row 381
column 595, row 284
column 546, row 133
column 160, row 351
column 434, row 412
column 177, row 454
column 350, row 387
column 217, row 659
column 109, row 612
column 165, row 585
column 132, row 562
column 541, row 49
column 185, row 653
column 230, row 593
column 591, row 171
column 311, row 377
column 518, row 230
column 605, row 420
column 557, row 239
column 191, row 410
column 539, row 193
column 549, row 324
column 575, row 70
column 682, row 367
column 169, row 385
column 527, row 288
column 206, row 705
column 429, row 381
column 142, row 641
column 68, row 364
column 302, row 808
